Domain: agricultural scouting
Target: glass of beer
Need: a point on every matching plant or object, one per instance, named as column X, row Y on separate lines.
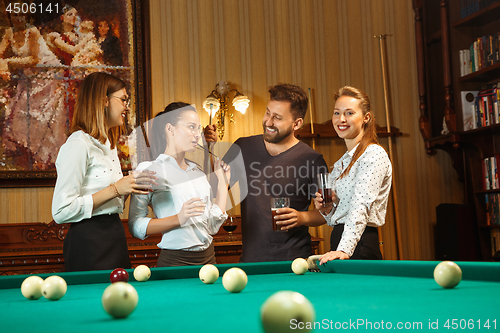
column 325, row 189
column 277, row 203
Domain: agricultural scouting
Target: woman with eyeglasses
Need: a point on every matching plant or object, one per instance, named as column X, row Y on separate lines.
column 90, row 189
column 182, row 201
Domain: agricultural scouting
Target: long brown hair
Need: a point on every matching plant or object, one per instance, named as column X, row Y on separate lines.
column 90, row 108
column 369, row 128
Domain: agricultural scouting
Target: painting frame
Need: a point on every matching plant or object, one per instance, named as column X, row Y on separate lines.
column 142, row 72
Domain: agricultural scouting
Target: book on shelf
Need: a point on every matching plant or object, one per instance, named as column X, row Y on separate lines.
column 492, row 201
column 469, row 7
column 486, row 107
column 489, row 167
column 494, row 160
column 465, row 63
column 469, row 109
column 486, row 175
column 487, row 205
column 461, row 56
column 482, row 53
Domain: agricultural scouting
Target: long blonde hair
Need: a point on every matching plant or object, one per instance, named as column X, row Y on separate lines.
column 90, row 109
column 369, row 128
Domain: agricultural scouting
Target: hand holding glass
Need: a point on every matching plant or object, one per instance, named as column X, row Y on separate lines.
column 277, row 203
column 325, row 189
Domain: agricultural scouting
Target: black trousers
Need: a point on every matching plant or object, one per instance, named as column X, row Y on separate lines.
column 367, row 248
column 97, row 243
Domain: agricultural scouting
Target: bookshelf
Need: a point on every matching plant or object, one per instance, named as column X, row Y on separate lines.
column 442, row 30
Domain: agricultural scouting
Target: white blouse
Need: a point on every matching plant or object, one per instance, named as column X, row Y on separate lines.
column 175, row 187
column 84, row 166
column 362, row 194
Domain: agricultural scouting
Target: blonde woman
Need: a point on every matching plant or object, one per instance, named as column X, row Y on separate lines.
column 361, row 182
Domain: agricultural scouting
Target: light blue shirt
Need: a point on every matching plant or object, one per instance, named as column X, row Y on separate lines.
column 175, row 187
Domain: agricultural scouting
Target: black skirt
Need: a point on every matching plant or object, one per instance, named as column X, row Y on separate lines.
column 367, row 248
column 97, row 243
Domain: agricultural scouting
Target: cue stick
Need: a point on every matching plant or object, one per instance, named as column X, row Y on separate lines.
column 208, row 158
column 319, row 230
column 225, row 178
column 211, row 155
column 383, row 60
column 311, row 119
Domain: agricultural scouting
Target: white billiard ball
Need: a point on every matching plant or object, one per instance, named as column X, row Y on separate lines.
column 447, row 274
column 300, row 266
column 142, row 273
column 54, row 287
column 31, row 288
column 209, row 274
column 284, row 309
column 119, row 299
column 234, row 280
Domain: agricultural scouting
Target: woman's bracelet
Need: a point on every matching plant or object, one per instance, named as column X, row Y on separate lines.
column 116, row 190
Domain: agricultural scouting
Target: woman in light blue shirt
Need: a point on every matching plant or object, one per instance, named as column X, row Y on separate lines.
column 182, row 201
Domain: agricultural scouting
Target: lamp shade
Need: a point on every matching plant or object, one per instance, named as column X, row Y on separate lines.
column 241, row 103
column 211, row 103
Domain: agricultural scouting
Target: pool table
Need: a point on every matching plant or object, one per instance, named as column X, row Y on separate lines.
column 347, row 295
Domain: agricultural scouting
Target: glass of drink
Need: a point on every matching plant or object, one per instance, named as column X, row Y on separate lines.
column 277, row 203
column 325, row 189
column 208, row 206
column 230, row 226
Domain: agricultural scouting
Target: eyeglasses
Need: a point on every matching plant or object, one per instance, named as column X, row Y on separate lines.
column 125, row 101
column 193, row 129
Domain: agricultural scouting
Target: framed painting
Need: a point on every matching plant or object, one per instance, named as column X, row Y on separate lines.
column 46, row 49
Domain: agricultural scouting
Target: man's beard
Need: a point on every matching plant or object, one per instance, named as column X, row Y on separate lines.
column 278, row 136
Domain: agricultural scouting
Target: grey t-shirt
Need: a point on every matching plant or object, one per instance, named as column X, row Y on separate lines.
column 290, row 174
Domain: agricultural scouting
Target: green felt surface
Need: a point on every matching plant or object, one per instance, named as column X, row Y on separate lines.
column 175, row 300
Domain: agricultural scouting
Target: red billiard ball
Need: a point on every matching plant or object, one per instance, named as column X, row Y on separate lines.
column 118, row 274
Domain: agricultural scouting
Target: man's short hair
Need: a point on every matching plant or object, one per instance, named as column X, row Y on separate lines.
column 293, row 94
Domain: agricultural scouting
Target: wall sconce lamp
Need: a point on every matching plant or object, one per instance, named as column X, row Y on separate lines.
column 216, row 105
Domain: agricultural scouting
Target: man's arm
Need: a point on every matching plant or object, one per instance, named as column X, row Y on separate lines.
column 289, row 218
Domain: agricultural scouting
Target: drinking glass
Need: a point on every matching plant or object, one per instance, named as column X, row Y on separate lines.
column 230, row 226
column 325, row 189
column 277, row 203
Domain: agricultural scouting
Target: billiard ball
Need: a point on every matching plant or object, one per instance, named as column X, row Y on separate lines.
column 31, row 288
column 119, row 299
column 209, row 274
column 447, row 274
column 118, row 274
column 234, row 280
column 285, row 308
column 300, row 266
column 54, row 287
column 142, row 273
